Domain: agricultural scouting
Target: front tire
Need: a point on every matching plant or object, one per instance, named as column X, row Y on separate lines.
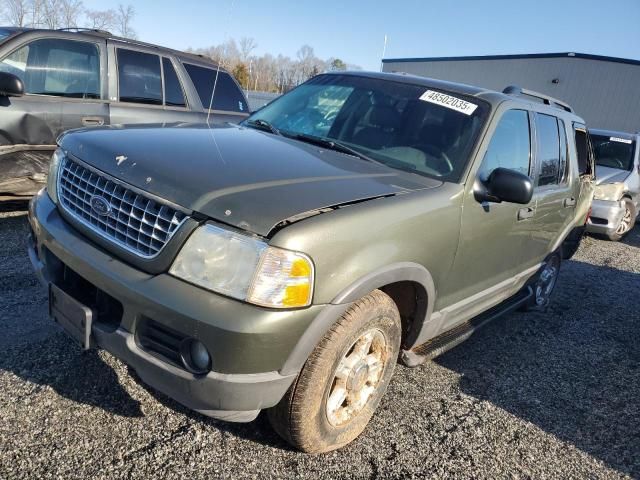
column 341, row 384
column 627, row 222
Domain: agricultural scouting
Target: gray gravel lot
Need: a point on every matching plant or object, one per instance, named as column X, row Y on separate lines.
column 553, row 395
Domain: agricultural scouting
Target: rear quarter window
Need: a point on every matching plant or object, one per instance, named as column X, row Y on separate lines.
column 228, row 96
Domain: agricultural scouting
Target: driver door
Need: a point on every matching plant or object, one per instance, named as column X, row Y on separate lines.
column 63, row 90
column 493, row 235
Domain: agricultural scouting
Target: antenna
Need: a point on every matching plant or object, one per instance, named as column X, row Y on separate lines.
column 215, row 82
column 384, row 51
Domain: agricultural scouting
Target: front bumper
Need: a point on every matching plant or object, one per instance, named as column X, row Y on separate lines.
column 248, row 345
column 605, row 216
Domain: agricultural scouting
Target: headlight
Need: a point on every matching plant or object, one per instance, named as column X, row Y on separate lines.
column 52, row 178
column 610, row 191
column 245, row 268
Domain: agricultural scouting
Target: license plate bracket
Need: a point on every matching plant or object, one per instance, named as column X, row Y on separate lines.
column 75, row 318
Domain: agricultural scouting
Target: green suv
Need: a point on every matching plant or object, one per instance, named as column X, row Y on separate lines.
column 288, row 262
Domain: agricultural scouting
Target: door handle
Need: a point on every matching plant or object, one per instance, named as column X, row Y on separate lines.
column 525, row 213
column 569, row 202
column 92, row 121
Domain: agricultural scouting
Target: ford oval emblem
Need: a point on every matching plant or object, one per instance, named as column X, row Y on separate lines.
column 100, row 206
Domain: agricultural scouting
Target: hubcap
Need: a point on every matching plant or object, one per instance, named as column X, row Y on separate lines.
column 357, row 377
column 625, row 223
column 546, row 282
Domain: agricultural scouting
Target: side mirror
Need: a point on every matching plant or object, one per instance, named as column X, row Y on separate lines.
column 10, row 85
column 505, row 185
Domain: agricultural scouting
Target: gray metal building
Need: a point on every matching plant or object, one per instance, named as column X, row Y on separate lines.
column 605, row 91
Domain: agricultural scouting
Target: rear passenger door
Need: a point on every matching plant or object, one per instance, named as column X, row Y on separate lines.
column 228, row 103
column 554, row 196
column 145, row 88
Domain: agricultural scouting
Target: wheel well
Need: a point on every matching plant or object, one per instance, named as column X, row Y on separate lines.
column 412, row 300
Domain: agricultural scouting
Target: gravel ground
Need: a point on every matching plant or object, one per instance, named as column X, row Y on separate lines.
column 551, row 395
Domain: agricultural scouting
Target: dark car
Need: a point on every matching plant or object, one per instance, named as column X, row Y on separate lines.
column 55, row 80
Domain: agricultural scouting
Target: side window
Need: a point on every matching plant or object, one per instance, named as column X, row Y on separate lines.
column 64, row 68
column 510, row 145
column 548, row 153
column 139, row 77
column 173, row 94
column 582, row 148
column 227, row 97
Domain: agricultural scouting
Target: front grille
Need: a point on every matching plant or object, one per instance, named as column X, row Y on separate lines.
column 129, row 219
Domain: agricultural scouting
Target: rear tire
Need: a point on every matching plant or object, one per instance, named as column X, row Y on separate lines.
column 544, row 284
column 627, row 222
column 333, row 398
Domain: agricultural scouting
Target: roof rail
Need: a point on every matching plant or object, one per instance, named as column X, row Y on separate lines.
column 546, row 99
column 81, row 29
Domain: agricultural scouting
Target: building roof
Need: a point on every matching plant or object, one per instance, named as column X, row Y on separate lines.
column 515, row 57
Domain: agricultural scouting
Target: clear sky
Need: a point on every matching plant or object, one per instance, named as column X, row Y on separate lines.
column 354, row 30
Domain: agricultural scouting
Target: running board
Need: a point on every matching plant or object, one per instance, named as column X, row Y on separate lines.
column 454, row 337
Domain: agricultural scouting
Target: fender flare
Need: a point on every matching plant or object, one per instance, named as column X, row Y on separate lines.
column 396, row 272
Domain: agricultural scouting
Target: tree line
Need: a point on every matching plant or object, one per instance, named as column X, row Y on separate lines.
column 269, row 73
column 56, row 14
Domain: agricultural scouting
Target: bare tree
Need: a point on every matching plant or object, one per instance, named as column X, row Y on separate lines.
column 124, row 18
column 247, row 46
column 70, row 12
column 15, row 12
column 51, row 10
column 101, row 19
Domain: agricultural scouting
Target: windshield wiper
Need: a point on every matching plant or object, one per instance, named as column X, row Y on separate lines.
column 330, row 144
column 261, row 124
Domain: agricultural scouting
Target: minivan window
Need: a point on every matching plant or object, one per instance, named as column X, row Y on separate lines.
column 57, row 67
column 613, row 152
column 548, row 152
column 228, row 96
column 173, row 94
column 510, row 145
column 139, row 77
column 391, row 122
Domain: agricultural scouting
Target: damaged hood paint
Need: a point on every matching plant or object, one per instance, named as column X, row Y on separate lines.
column 610, row 175
column 243, row 177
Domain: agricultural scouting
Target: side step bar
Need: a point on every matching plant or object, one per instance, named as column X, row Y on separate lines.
column 454, row 337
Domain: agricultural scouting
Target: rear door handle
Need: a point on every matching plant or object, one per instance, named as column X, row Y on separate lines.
column 525, row 213
column 569, row 202
column 92, row 121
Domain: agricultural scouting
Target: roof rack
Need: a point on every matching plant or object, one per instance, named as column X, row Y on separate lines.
column 81, row 29
column 546, row 99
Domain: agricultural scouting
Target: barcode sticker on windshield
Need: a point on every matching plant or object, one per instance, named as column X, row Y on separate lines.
column 448, row 101
column 620, row 140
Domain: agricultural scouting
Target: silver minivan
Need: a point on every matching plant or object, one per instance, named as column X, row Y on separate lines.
column 617, row 195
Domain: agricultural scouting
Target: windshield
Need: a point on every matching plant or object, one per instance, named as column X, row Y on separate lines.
column 613, row 152
column 404, row 126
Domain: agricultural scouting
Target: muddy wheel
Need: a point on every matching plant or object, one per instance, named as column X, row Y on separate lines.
column 627, row 221
column 342, row 382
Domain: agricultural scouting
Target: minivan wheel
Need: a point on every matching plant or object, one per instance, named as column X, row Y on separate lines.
column 344, row 379
column 627, row 221
column 544, row 283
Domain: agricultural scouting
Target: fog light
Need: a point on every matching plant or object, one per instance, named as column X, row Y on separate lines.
column 195, row 356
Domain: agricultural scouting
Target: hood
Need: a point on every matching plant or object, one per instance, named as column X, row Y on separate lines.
column 610, row 175
column 243, row 177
